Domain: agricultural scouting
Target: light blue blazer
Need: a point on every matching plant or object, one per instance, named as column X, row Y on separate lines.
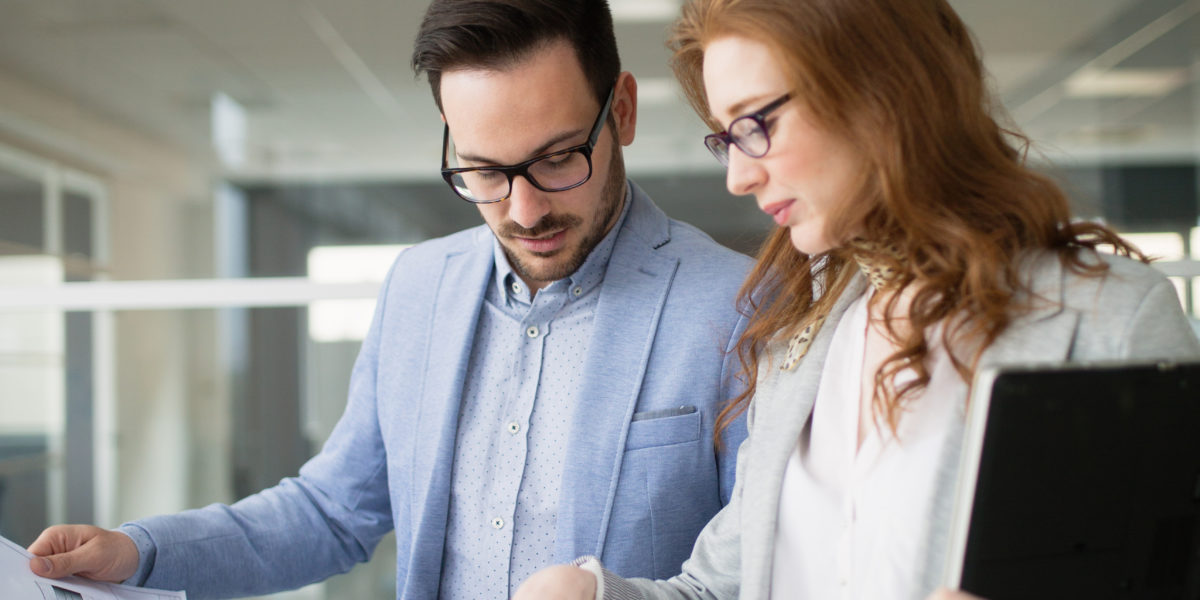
column 635, row 491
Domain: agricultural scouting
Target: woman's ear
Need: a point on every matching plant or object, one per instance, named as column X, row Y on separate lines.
column 624, row 107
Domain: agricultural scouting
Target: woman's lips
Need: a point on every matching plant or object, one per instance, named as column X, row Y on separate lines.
column 779, row 211
column 544, row 244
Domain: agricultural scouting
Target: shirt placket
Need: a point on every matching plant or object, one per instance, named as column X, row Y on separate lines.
column 513, row 448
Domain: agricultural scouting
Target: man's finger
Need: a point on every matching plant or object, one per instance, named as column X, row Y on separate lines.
column 45, row 544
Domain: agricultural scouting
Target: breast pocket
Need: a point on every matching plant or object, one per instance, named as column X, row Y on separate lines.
column 652, row 429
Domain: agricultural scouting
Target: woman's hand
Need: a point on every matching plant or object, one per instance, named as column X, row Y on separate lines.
column 561, row 582
column 945, row 594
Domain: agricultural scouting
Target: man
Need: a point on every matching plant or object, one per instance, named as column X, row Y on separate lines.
column 530, row 391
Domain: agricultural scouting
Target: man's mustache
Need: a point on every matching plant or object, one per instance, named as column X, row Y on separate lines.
column 549, row 223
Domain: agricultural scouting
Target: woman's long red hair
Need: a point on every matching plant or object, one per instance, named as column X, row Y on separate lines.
column 902, row 81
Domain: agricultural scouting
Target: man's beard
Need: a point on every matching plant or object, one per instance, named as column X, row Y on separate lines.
column 611, row 196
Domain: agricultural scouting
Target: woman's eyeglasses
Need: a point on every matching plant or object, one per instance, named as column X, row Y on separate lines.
column 748, row 133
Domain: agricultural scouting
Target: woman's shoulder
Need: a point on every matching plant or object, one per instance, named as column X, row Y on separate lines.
column 1126, row 308
column 1088, row 273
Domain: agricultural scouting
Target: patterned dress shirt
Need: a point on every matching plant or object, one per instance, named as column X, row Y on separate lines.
column 522, row 386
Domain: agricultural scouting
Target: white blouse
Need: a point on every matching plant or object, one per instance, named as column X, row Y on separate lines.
column 853, row 522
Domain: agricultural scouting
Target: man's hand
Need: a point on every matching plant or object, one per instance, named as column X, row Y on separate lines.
column 560, row 582
column 84, row 550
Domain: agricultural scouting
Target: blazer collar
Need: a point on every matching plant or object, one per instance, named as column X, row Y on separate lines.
column 646, row 222
column 1043, row 334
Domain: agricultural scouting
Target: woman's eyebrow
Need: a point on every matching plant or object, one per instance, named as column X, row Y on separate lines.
column 743, row 107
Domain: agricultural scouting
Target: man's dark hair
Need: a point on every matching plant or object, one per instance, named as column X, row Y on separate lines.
column 497, row 34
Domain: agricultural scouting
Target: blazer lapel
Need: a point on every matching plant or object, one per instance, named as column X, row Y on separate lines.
column 457, row 304
column 783, row 402
column 635, row 288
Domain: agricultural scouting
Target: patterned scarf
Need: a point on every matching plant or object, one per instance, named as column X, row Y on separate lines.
column 878, row 263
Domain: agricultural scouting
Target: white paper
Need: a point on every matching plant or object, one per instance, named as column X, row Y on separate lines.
column 17, row 582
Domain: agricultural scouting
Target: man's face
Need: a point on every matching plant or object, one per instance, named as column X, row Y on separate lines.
column 541, row 105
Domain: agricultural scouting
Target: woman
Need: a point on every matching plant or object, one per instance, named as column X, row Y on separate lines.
column 914, row 248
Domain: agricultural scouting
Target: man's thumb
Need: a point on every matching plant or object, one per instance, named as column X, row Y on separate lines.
column 53, row 567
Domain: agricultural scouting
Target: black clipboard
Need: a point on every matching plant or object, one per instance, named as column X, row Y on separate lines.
column 1080, row 482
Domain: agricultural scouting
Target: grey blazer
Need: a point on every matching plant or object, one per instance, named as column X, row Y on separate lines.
column 1132, row 313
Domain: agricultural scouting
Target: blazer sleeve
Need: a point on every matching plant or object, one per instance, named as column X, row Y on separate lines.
column 304, row 529
column 733, row 383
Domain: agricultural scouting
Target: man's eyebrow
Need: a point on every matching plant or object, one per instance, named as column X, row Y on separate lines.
column 540, row 150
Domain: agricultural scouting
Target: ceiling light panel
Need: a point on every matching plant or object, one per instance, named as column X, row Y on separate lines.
column 1125, row 83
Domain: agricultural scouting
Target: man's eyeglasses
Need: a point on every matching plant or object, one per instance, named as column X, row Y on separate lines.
column 748, row 132
column 553, row 172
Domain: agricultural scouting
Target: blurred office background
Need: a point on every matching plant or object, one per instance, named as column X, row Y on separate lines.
column 198, row 198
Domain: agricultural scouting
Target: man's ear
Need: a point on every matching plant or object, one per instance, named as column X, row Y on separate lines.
column 624, row 107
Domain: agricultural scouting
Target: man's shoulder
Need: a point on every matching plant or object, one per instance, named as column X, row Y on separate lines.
column 433, row 252
column 680, row 240
column 698, row 252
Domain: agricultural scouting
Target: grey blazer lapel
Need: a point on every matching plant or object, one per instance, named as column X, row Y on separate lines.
column 783, row 402
column 635, row 288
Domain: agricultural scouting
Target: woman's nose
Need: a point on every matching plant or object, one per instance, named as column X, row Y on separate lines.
column 743, row 174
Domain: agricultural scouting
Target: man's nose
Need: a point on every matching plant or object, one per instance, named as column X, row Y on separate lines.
column 527, row 204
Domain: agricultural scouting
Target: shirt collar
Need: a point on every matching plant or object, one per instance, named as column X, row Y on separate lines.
column 584, row 279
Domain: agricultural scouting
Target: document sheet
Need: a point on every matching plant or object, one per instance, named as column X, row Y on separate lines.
column 17, row 582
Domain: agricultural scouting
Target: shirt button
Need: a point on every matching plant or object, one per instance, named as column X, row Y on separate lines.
column 516, row 288
column 532, row 331
column 578, row 291
column 497, row 523
column 514, row 427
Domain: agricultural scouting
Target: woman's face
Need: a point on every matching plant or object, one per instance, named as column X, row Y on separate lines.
column 807, row 171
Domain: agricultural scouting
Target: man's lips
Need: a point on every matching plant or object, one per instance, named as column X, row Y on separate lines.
column 543, row 244
column 779, row 210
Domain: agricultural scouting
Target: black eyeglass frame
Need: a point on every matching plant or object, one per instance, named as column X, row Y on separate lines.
column 719, row 143
column 522, row 169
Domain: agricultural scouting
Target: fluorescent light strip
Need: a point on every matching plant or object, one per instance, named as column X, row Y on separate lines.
column 179, row 294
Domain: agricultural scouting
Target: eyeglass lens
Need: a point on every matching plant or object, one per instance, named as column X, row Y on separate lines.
column 745, row 132
column 749, row 135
